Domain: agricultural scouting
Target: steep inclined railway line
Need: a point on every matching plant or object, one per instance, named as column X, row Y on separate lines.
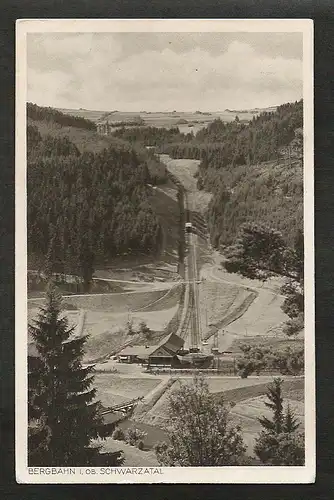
column 183, row 173
column 195, row 326
column 191, row 324
column 197, row 232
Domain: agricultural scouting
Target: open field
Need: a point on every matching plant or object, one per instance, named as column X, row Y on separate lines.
column 117, row 303
column 169, row 300
column 113, row 389
column 222, row 310
column 106, row 317
column 246, row 413
column 107, row 331
column 248, row 396
column 254, row 408
column 89, row 114
column 187, row 121
column 216, row 300
column 264, row 316
column 257, row 386
column 85, row 140
column 231, row 388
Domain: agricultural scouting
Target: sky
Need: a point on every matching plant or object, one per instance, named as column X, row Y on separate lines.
column 164, row 71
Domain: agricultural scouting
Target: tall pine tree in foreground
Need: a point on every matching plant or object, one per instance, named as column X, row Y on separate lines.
column 64, row 416
column 279, row 443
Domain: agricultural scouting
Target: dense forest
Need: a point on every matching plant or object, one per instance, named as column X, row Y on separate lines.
column 85, row 208
column 38, row 113
column 153, row 136
column 223, row 144
column 255, row 179
column 253, row 170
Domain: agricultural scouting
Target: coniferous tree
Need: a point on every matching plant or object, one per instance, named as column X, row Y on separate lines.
column 64, row 415
column 274, row 395
column 88, row 208
column 279, row 443
column 290, row 423
column 49, row 260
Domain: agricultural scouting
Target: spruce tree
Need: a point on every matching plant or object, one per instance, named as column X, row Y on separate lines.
column 279, row 443
column 290, row 423
column 64, row 415
column 275, row 403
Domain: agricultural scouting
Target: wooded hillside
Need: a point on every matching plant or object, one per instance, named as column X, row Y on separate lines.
column 85, row 207
column 253, row 170
column 39, row 113
column 257, row 177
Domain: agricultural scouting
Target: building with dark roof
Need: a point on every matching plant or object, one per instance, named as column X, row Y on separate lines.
column 164, row 353
column 136, row 353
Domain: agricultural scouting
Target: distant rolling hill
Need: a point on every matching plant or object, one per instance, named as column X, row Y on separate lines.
column 85, row 140
column 181, row 119
column 89, row 114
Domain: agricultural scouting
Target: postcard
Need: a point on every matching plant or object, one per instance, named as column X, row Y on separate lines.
column 164, row 251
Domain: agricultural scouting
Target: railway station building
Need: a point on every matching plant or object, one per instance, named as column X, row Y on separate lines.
column 135, row 354
column 163, row 354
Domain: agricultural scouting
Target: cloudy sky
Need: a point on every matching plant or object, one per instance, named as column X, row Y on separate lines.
column 164, row 71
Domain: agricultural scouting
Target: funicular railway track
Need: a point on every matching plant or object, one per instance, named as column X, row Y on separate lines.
column 191, row 323
column 189, row 313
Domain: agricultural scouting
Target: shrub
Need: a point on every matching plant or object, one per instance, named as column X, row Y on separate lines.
column 134, row 435
column 255, row 359
column 118, row 434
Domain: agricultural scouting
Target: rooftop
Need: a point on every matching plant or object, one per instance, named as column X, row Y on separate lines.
column 138, row 350
column 173, row 343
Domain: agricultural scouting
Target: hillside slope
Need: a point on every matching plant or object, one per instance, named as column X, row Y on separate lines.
column 91, row 197
column 253, row 170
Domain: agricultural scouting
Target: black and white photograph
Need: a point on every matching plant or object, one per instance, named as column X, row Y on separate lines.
column 164, row 251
